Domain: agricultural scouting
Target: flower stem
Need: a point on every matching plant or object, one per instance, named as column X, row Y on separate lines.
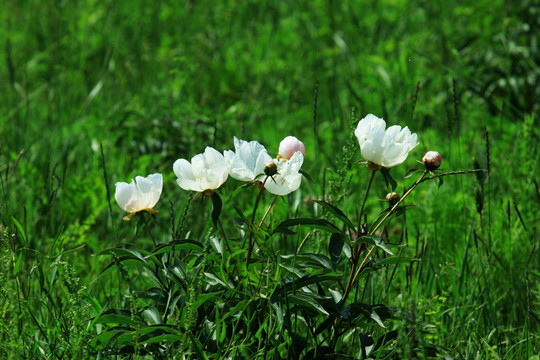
column 268, row 210
column 255, row 206
column 356, row 271
column 392, row 210
column 364, row 200
column 148, row 228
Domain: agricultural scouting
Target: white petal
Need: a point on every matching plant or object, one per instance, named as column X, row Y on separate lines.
column 157, row 186
column 124, row 194
column 288, row 179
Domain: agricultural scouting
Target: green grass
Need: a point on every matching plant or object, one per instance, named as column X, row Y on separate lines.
column 150, row 83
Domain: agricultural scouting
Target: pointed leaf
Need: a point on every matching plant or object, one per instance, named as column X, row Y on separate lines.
column 216, row 211
column 336, row 212
column 177, row 245
column 352, row 311
column 375, row 240
column 318, row 260
column 395, row 260
column 20, row 228
column 117, row 316
column 335, row 248
column 305, row 301
column 310, row 223
column 410, row 173
column 388, row 179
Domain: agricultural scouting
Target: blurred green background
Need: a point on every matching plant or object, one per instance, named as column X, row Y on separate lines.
column 154, row 81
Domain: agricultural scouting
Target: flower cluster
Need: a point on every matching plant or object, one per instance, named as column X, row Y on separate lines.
column 250, row 161
column 206, row 172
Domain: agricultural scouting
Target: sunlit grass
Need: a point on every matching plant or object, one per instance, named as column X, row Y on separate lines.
column 151, row 83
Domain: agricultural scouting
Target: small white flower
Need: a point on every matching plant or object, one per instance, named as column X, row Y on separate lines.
column 141, row 194
column 289, row 146
column 380, row 147
column 206, row 171
column 288, row 178
column 248, row 162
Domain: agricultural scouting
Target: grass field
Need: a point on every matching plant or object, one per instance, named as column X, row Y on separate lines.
column 96, row 92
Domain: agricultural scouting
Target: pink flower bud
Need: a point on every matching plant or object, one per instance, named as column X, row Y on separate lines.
column 289, row 146
column 432, row 160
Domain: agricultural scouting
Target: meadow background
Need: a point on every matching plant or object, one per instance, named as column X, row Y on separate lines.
column 94, row 92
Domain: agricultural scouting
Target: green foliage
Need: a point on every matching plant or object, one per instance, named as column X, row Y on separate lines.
column 152, row 82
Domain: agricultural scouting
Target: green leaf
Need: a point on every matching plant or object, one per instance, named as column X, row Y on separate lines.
column 216, row 211
column 310, row 223
column 375, row 240
column 306, row 175
column 238, row 189
column 352, row 311
column 126, row 250
column 200, row 299
column 20, row 228
column 395, row 260
column 305, row 301
column 337, row 213
column 335, row 247
column 177, row 245
column 175, row 274
column 18, row 264
column 108, row 336
column 294, row 285
column 117, row 316
column 197, row 346
column 151, row 315
column 318, row 260
column 388, row 179
column 386, row 338
column 160, row 338
column 410, row 173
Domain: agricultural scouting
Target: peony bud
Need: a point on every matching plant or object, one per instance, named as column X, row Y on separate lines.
column 392, row 198
column 289, row 146
column 432, row 160
column 270, row 168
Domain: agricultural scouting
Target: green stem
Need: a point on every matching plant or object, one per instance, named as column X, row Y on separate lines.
column 268, row 210
column 252, row 230
column 148, row 228
column 392, row 210
column 355, row 271
column 407, row 193
column 365, row 197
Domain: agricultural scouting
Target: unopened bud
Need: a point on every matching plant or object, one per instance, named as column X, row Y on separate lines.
column 432, row 160
column 289, row 146
column 392, row 198
column 270, row 168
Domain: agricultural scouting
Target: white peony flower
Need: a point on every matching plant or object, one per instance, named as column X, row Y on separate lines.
column 248, row 162
column 206, row 171
column 141, row 194
column 290, row 145
column 380, row 147
column 288, row 178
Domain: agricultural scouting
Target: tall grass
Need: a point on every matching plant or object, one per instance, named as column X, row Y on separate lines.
column 99, row 92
